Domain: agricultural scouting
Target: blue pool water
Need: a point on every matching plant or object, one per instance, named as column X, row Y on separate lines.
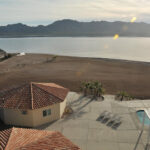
column 140, row 115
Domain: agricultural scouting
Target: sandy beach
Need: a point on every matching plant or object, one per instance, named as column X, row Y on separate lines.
column 116, row 75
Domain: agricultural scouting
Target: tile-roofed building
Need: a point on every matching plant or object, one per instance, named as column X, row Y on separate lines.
column 31, row 139
column 33, row 96
column 33, row 104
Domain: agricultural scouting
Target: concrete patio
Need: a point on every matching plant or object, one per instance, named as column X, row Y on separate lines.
column 82, row 128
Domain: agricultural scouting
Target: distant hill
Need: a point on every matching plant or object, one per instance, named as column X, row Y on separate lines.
column 75, row 28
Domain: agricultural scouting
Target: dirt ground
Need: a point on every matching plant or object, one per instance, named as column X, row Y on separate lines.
column 116, row 75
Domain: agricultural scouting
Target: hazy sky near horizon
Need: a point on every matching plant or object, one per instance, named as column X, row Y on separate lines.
column 35, row 12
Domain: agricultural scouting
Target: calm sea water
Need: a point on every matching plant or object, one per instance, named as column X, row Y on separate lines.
column 122, row 48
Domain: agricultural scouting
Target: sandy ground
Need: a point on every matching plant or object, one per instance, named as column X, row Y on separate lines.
column 116, row 75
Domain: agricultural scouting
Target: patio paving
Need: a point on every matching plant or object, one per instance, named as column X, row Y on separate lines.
column 82, row 128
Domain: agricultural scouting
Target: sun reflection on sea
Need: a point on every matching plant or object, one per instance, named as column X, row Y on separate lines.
column 116, row 36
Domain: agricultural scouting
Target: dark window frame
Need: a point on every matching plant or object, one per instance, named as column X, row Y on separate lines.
column 46, row 112
column 24, row 112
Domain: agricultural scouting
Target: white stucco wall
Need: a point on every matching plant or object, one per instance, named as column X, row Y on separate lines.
column 62, row 107
column 39, row 119
column 34, row 117
column 15, row 117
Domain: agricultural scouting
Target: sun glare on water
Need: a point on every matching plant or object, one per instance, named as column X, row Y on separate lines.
column 116, row 36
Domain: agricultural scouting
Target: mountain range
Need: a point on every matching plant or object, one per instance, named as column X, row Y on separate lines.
column 73, row 28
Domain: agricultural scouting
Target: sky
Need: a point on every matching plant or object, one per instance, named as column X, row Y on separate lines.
column 35, row 12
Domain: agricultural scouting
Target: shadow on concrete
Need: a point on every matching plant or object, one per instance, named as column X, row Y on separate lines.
column 44, row 126
column 77, row 101
column 107, row 121
column 115, row 127
column 80, row 108
column 78, row 112
column 99, row 119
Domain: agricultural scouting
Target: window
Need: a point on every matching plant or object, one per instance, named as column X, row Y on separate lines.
column 24, row 112
column 46, row 112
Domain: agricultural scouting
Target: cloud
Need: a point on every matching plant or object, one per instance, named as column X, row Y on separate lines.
column 46, row 11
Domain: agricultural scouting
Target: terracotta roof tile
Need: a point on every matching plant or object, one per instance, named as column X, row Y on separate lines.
column 51, row 88
column 33, row 96
column 4, row 137
column 30, row 139
column 19, row 98
column 55, row 141
column 43, row 98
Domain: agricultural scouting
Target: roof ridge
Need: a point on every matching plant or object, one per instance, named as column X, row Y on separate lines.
column 31, row 96
column 51, row 87
column 9, row 137
column 57, row 86
column 4, row 135
column 19, row 100
column 32, row 91
column 45, row 84
column 47, row 92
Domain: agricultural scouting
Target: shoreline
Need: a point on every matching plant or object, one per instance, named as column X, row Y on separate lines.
column 68, row 71
column 5, row 37
column 98, row 58
column 102, row 58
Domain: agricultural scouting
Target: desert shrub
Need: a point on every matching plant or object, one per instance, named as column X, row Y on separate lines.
column 122, row 95
column 94, row 88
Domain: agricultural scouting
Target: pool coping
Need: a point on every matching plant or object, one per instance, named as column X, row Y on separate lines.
column 136, row 120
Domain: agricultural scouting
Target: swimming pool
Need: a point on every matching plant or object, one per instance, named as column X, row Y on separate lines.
column 140, row 115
